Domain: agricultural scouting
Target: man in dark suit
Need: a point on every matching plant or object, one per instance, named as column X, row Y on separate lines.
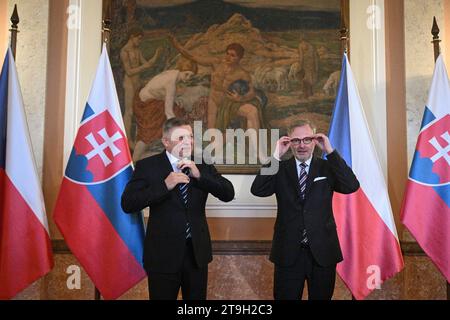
column 305, row 243
column 177, row 246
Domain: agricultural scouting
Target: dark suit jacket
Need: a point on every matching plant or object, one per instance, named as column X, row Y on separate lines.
column 314, row 213
column 165, row 240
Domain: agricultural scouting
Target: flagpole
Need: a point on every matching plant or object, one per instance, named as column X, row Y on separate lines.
column 106, row 35
column 106, row 24
column 343, row 31
column 97, row 296
column 435, row 32
column 14, row 30
column 437, row 50
column 344, row 38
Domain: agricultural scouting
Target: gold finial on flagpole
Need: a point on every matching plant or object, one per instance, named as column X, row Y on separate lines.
column 14, row 30
column 343, row 31
column 435, row 32
column 106, row 25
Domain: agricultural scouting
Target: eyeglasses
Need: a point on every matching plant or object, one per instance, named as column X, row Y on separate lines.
column 297, row 141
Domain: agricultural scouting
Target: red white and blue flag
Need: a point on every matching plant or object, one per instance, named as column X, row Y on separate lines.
column 107, row 242
column 25, row 248
column 364, row 219
column 426, row 204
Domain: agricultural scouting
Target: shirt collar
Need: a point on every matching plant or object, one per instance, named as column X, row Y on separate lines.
column 308, row 162
column 172, row 159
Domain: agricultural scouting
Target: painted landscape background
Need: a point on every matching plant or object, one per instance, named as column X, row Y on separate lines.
column 269, row 33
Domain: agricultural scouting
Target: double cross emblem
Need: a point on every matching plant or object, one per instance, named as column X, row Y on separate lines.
column 99, row 149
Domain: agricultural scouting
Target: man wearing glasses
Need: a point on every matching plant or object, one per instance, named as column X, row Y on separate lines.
column 177, row 246
column 305, row 243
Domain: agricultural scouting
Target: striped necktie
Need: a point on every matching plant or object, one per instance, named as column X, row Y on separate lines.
column 184, row 196
column 302, row 180
column 184, row 192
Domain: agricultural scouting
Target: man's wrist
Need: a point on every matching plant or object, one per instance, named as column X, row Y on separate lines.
column 329, row 151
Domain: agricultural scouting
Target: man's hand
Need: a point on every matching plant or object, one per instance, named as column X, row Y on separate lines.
column 323, row 143
column 175, row 178
column 194, row 172
column 282, row 147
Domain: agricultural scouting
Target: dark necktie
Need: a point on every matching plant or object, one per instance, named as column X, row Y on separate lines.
column 184, row 196
column 184, row 193
column 302, row 180
column 302, row 183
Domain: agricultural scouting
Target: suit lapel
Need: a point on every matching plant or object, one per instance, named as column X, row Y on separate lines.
column 167, row 167
column 292, row 174
column 190, row 188
column 312, row 174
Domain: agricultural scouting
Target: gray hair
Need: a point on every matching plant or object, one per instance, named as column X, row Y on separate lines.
column 301, row 123
column 173, row 123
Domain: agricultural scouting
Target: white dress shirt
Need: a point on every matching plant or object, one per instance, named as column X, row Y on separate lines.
column 308, row 164
column 173, row 161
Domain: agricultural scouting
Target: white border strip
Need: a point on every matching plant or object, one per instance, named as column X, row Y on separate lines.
column 83, row 53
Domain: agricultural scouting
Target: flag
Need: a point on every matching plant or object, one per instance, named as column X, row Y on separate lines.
column 107, row 242
column 25, row 248
column 364, row 219
column 426, row 204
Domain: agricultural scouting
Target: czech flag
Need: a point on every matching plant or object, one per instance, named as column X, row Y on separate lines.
column 364, row 219
column 25, row 248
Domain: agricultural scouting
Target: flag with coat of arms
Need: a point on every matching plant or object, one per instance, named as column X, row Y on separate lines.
column 426, row 204
column 107, row 242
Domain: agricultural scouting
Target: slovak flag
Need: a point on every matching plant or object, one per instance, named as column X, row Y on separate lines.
column 364, row 219
column 426, row 204
column 25, row 248
column 107, row 242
